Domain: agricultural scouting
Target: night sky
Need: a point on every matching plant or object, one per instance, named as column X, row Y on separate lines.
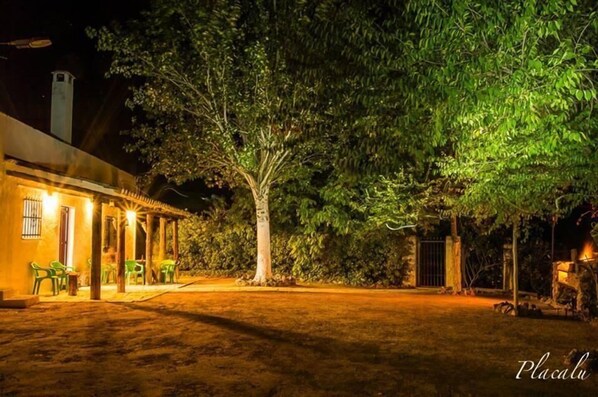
column 99, row 113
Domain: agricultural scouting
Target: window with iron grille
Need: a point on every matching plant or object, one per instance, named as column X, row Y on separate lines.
column 32, row 218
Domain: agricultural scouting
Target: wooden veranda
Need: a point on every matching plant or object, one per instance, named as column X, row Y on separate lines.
column 150, row 210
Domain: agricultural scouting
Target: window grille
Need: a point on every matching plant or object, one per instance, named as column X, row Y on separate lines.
column 32, row 218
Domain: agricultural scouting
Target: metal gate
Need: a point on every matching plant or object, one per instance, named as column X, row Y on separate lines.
column 430, row 263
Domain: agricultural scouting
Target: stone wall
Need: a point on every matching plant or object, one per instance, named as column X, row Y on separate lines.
column 412, row 260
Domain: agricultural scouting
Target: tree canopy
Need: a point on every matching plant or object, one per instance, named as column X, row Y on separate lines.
column 511, row 85
column 348, row 113
column 514, row 83
column 219, row 101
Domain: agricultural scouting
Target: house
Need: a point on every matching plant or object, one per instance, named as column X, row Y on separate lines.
column 60, row 203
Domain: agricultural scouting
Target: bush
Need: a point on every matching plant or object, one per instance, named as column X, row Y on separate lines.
column 535, row 266
column 215, row 246
column 222, row 242
column 483, row 255
column 484, row 252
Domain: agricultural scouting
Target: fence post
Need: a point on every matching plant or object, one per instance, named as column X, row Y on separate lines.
column 449, row 263
column 412, row 260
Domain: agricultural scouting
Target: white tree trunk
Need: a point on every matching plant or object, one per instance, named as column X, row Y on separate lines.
column 264, row 260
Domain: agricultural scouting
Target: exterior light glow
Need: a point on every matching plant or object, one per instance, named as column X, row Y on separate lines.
column 131, row 216
column 50, row 201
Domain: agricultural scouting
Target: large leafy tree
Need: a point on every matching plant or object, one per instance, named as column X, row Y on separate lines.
column 512, row 84
column 218, row 100
column 357, row 49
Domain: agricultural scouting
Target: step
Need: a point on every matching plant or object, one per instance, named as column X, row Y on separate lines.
column 6, row 293
column 19, row 301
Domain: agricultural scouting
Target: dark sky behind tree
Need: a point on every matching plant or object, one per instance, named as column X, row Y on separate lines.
column 99, row 113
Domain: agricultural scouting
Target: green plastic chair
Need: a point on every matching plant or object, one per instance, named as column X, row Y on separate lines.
column 132, row 268
column 62, row 273
column 48, row 274
column 107, row 271
column 167, row 269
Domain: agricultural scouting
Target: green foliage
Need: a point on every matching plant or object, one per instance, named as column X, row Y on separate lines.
column 401, row 202
column 374, row 257
column 217, row 98
column 215, row 245
column 363, row 115
column 514, row 83
column 483, row 245
column 223, row 242
column 483, row 248
column 357, row 49
column 536, row 266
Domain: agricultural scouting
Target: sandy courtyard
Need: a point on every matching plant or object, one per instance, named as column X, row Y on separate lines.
column 282, row 344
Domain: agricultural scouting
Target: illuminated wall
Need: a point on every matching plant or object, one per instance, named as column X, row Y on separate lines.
column 22, row 142
column 17, row 253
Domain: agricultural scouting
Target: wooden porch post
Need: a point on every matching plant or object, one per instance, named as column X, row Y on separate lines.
column 175, row 246
column 120, row 247
column 149, row 245
column 175, row 239
column 162, row 251
column 96, row 250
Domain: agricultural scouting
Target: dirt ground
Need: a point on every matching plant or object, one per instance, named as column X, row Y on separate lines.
column 283, row 344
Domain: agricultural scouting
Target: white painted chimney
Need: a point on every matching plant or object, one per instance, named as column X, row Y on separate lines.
column 61, row 120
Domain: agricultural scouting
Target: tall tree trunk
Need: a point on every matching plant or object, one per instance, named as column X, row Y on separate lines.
column 454, row 229
column 515, row 267
column 264, row 260
column 553, row 225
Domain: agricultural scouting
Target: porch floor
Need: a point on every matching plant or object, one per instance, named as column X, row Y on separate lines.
column 134, row 293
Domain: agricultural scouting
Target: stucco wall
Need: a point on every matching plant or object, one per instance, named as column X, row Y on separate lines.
column 17, row 253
